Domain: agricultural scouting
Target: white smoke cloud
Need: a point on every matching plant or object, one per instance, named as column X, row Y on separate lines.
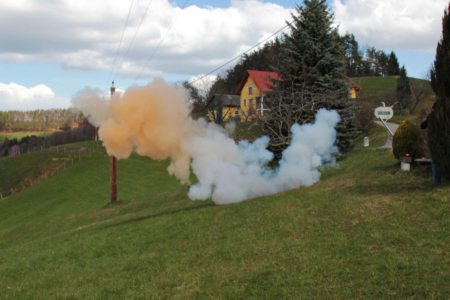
column 230, row 172
column 155, row 121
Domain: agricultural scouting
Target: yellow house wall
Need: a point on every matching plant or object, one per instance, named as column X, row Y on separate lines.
column 245, row 105
column 353, row 93
column 230, row 112
column 227, row 112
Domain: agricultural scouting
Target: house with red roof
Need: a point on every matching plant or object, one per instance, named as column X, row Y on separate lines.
column 251, row 93
column 252, row 90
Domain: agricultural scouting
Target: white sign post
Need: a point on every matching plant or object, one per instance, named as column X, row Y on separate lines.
column 384, row 113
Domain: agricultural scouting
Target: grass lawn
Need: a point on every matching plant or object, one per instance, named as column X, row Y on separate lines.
column 377, row 137
column 22, row 171
column 20, row 135
column 375, row 87
column 366, row 230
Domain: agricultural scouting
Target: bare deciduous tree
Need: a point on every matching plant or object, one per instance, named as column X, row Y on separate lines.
column 288, row 108
column 420, row 90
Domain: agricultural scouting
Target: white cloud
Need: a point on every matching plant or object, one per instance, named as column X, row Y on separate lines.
column 411, row 25
column 203, row 83
column 84, row 35
column 17, row 97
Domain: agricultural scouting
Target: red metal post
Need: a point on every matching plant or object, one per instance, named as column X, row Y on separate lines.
column 113, row 166
column 113, row 179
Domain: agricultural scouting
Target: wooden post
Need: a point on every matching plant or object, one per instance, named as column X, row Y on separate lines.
column 113, row 179
column 113, row 164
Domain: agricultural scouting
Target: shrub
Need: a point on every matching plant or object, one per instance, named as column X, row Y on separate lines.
column 407, row 140
column 364, row 118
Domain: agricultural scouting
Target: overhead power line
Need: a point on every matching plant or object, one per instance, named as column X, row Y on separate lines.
column 160, row 43
column 240, row 55
column 133, row 39
column 120, row 43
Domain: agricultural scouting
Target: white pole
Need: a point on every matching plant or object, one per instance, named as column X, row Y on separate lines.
column 262, row 106
column 385, row 125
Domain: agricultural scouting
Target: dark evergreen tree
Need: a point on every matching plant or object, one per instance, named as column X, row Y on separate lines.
column 403, row 93
column 383, row 61
column 353, row 56
column 393, row 65
column 439, row 120
column 311, row 67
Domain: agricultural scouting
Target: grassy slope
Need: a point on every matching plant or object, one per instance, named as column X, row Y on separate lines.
column 20, row 135
column 20, row 170
column 375, row 88
column 366, row 230
column 377, row 137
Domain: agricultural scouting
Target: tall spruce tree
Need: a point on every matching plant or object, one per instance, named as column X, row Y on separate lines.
column 403, row 93
column 311, row 67
column 439, row 120
column 393, row 65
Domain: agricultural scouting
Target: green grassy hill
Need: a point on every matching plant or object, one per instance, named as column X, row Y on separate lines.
column 366, row 230
column 375, row 87
column 20, row 135
column 383, row 89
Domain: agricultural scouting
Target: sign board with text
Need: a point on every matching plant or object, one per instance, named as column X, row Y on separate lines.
column 384, row 113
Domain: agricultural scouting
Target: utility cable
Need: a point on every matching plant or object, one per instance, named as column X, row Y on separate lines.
column 133, row 39
column 120, row 43
column 160, row 43
column 240, row 55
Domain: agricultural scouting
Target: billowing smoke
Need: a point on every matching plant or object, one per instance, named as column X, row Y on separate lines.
column 155, row 121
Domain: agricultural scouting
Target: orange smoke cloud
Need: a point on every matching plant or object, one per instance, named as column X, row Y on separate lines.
column 150, row 120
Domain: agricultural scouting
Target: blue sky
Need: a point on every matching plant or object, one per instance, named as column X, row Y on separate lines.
column 62, row 48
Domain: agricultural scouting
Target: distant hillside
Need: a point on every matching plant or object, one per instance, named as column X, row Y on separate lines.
column 383, row 89
column 375, row 87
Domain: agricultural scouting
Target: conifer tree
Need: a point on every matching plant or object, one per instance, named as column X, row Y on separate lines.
column 311, row 67
column 439, row 120
column 403, row 93
column 393, row 65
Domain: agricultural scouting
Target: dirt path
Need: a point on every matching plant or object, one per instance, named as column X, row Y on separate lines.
column 393, row 127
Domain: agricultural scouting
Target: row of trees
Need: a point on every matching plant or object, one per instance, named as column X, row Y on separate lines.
column 84, row 132
column 16, row 120
column 357, row 61
column 371, row 62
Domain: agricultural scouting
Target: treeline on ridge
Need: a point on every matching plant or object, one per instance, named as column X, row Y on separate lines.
column 38, row 120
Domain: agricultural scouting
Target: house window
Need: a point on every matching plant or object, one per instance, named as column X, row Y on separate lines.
column 236, row 112
column 245, row 102
column 258, row 103
column 250, row 89
column 251, row 103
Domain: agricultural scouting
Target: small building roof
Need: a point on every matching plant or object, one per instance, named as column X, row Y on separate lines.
column 354, row 85
column 262, row 79
column 227, row 100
